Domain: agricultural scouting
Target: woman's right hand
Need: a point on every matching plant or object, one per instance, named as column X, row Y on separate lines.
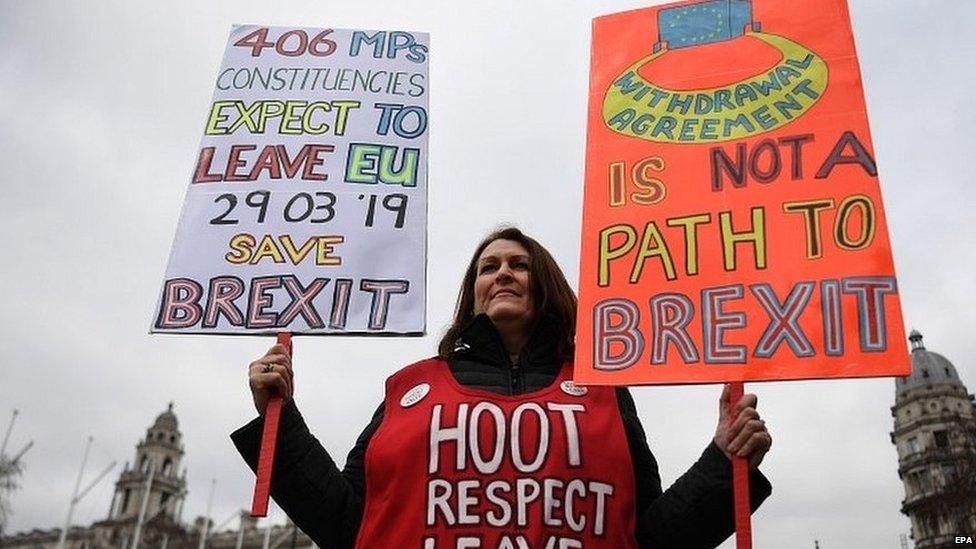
column 270, row 375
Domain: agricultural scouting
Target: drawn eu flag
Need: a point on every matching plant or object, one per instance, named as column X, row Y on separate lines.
column 703, row 23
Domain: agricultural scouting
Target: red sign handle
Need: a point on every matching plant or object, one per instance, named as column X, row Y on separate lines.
column 740, row 481
column 269, row 439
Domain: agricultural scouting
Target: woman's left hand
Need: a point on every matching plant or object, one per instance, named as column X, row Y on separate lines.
column 740, row 432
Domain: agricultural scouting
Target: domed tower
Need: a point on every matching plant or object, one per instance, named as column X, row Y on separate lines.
column 935, row 436
column 160, row 454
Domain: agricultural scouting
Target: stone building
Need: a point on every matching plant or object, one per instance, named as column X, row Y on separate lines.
column 158, row 455
column 935, row 436
column 155, row 481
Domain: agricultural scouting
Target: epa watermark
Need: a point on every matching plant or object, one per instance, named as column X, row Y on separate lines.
column 966, row 540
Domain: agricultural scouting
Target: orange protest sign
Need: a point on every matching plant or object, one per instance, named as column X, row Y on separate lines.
column 733, row 228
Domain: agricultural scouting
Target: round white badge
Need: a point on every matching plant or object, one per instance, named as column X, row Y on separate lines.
column 572, row 389
column 415, row 395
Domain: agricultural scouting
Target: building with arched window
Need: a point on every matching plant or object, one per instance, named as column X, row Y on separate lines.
column 154, row 479
column 158, row 455
column 935, row 436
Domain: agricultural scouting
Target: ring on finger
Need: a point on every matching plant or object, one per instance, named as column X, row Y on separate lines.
column 267, row 368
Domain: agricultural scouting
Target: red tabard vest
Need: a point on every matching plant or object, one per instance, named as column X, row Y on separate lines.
column 453, row 467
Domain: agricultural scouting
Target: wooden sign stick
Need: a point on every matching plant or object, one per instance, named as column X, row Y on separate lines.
column 740, row 481
column 269, row 438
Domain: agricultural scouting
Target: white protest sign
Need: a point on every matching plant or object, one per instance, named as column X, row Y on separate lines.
column 307, row 208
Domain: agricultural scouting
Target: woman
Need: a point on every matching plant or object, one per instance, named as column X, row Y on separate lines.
column 489, row 444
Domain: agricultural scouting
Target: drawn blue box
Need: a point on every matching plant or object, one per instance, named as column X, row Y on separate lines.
column 703, row 23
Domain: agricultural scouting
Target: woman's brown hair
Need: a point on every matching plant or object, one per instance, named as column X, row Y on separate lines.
column 551, row 294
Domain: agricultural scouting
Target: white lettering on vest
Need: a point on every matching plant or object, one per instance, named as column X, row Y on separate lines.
column 465, row 435
column 491, row 466
column 577, row 504
column 466, row 502
column 495, row 519
column 552, row 501
column 527, row 490
column 572, row 431
column 575, row 486
column 520, row 543
column 439, row 435
column 543, row 448
column 440, row 501
column 602, row 490
column 507, row 542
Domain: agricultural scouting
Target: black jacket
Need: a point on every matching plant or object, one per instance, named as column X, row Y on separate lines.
column 327, row 503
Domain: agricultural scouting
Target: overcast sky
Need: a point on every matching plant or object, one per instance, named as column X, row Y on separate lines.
column 101, row 109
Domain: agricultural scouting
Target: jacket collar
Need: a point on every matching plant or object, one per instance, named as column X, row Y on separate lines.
column 481, row 341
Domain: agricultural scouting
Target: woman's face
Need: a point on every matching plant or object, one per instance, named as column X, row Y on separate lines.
column 501, row 287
